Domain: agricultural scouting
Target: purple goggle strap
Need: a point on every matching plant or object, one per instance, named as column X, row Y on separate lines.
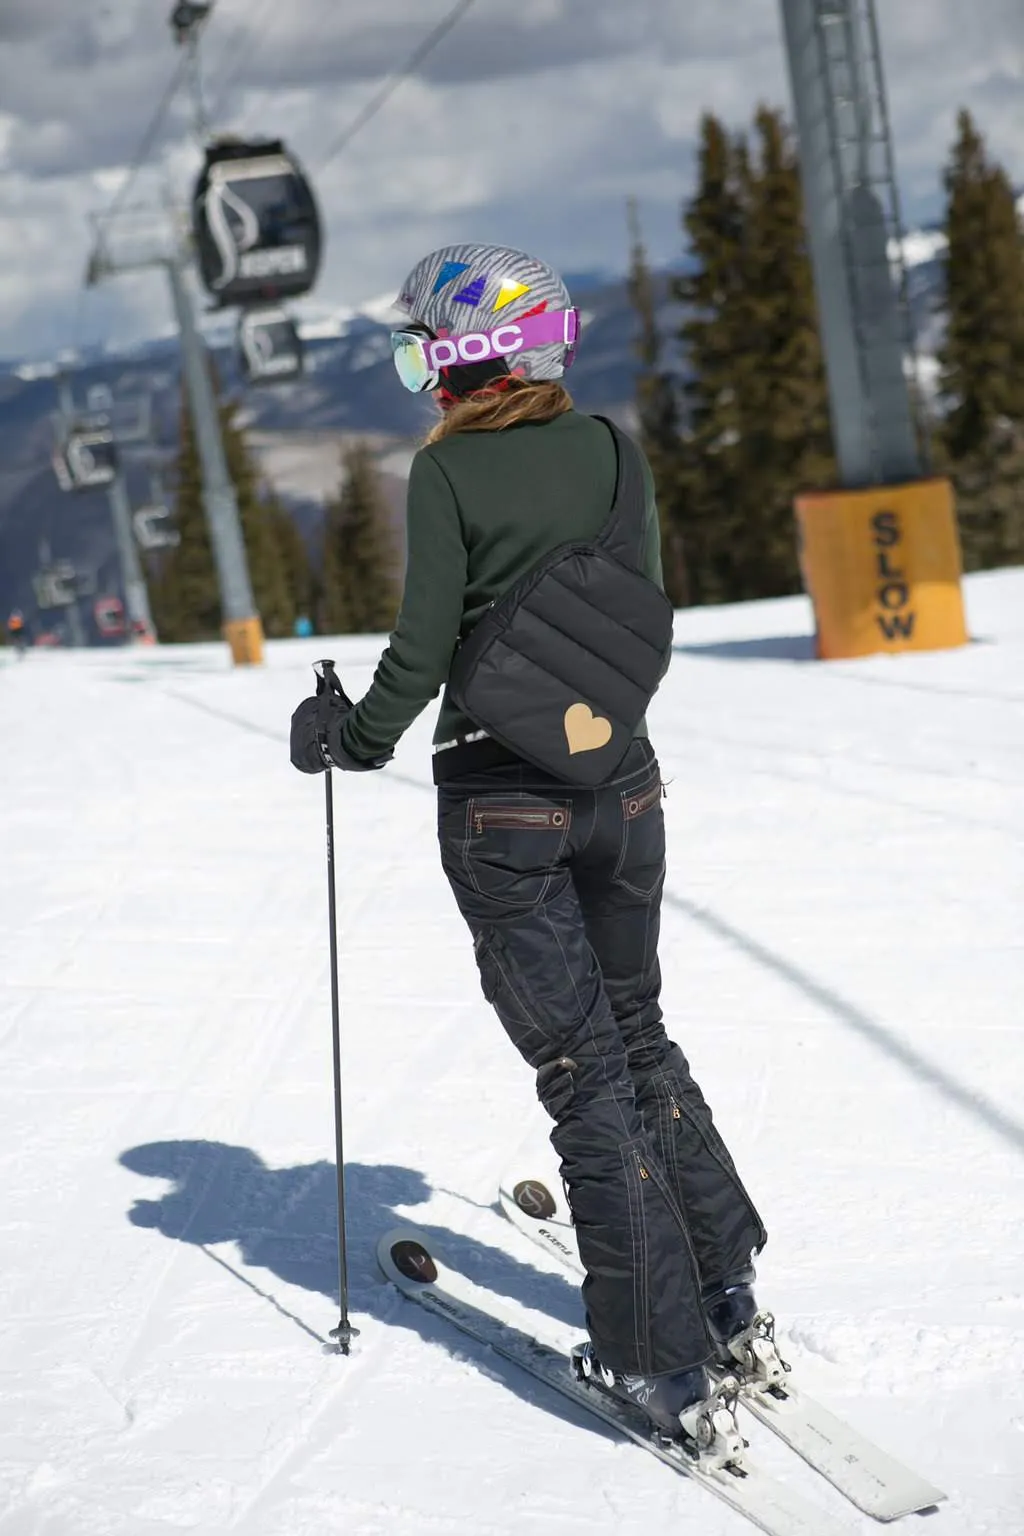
column 561, row 325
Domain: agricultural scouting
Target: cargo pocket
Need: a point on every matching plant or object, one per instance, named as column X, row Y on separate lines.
column 490, row 975
column 511, row 849
column 506, row 990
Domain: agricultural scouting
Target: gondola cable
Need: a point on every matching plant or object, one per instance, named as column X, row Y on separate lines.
column 148, row 141
column 138, row 162
column 242, row 56
column 394, row 80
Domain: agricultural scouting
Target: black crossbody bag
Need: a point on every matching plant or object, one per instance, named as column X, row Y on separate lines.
column 562, row 667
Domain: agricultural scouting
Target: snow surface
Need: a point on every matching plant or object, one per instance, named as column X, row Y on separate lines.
column 842, row 956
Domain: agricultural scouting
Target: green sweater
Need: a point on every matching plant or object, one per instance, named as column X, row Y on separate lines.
column 483, row 507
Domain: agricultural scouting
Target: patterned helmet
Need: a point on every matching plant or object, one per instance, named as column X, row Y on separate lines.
column 468, row 288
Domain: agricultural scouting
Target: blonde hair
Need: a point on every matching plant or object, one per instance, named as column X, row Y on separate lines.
column 491, row 410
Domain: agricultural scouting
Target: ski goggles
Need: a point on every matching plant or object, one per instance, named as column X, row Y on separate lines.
column 419, row 356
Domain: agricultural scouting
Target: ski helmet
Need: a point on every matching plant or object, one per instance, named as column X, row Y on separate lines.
column 464, row 289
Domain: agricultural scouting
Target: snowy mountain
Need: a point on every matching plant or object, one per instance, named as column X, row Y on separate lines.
column 842, row 964
column 297, row 428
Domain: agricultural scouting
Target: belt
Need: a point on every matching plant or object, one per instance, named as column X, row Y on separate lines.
column 460, row 741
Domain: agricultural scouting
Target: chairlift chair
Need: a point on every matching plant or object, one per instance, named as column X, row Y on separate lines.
column 85, row 458
column 154, row 527
column 55, row 586
column 108, row 613
column 269, row 346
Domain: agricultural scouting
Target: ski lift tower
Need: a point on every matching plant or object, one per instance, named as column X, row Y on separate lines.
column 148, row 238
column 87, row 455
column 881, row 557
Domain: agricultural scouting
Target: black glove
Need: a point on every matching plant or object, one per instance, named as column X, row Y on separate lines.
column 316, row 742
column 306, row 753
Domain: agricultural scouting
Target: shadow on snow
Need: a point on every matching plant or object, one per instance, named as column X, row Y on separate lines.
column 283, row 1220
column 765, row 648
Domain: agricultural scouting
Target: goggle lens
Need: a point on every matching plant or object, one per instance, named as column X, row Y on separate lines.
column 410, row 356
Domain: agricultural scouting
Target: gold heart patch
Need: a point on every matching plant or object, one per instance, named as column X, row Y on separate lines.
column 585, row 731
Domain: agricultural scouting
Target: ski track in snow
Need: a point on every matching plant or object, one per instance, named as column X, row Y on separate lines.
column 843, row 964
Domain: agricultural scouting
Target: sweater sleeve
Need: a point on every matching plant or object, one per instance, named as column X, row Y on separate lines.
column 415, row 665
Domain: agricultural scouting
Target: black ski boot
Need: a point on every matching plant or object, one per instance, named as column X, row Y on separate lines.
column 682, row 1406
column 729, row 1311
column 744, row 1337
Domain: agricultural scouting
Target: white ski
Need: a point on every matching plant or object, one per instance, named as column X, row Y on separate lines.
column 870, row 1478
column 408, row 1258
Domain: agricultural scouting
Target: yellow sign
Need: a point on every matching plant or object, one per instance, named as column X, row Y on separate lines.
column 245, row 637
column 882, row 568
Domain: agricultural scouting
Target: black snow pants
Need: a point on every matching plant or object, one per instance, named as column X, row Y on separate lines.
column 561, row 888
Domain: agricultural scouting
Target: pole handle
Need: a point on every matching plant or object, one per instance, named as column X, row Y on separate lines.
column 328, row 681
column 324, row 674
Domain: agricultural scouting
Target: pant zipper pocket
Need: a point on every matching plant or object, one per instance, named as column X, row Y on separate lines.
column 635, row 805
column 555, row 819
column 668, row 1113
column 709, row 1136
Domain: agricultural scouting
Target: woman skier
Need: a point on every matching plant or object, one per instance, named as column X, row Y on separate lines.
column 559, row 883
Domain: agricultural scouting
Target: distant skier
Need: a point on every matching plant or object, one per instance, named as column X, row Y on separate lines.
column 17, row 633
column 560, row 883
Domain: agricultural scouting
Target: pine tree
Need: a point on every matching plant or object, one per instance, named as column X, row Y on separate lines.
column 185, row 593
column 982, row 360
column 295, row 560
column 709, row 468
column 658, row 412
column 360, row 590
column 755, row 427
column 258, row 513
column 780, row 386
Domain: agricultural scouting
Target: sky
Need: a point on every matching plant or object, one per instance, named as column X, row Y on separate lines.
column 531, row 124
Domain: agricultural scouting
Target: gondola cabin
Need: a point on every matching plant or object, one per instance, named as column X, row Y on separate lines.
column 269, row 346
column 85, row 459
column 256, row 225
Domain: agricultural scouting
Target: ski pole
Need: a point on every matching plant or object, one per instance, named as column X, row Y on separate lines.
column 345, row 1332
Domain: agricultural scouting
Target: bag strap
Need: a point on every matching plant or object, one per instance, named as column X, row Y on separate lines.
column 624, row 534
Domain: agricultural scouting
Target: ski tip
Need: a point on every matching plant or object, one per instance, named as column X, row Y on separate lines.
column 532, row 1197
column 405, row 1258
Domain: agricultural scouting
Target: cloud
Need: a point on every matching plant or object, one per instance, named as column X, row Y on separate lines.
column 531, row 122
